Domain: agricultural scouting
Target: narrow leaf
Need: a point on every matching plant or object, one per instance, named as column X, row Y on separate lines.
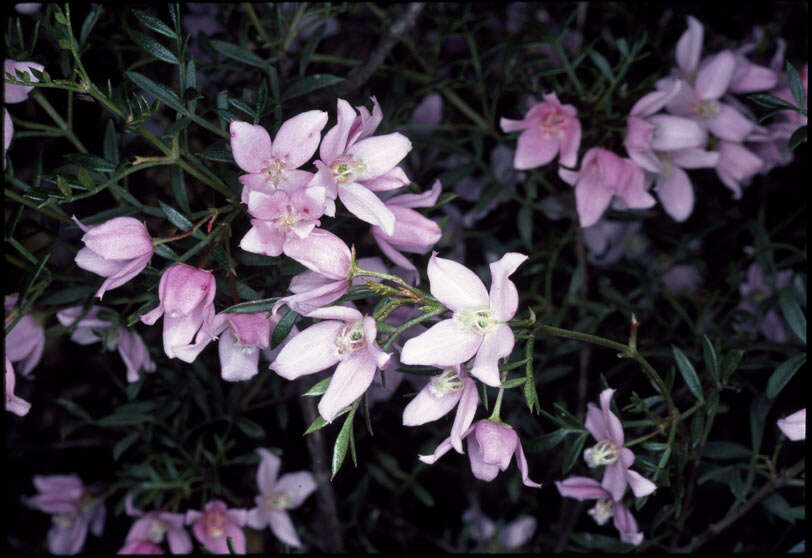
column 783, row 374
column 340, row 447
column 711, row 362
column 283, row 328
column 308, row 84
column 688, row 373
column 155, row 24
column 793, row 313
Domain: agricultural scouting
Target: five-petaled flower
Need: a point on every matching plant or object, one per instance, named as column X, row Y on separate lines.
column 215, row 524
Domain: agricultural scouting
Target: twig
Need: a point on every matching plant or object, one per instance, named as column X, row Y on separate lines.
column 359, row 75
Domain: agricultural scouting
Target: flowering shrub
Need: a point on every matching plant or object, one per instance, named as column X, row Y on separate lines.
column 323, row 191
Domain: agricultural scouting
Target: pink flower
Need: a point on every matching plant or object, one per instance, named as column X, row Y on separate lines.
column 26, row 341
column 353, row 166
column 413, row 232
column 117, row 249
column 605, row 427
column 608, row 241
column 490, row 450
column 241, row 338
column 14, row 404
column 277, row 495
column 549, row 128
column 516, row 533
column 441, row 394
column 272, row 165
column 429, row 112
column 583, row 488
column 794, row 426
column 754, row 291
column 737, row 165
column 212, row 526
column 681, row 279
column 151, row 527
column 346, row 338
column 73, row 510
column 14, row 94
column 130, row 346
column 479, row 324
column 602, row 176
column 186, row 295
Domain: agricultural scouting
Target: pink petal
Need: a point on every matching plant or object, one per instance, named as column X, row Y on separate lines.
column 689, row 46
column 794, row 426
column 250, row 145
column 67, row 540
column 610, row 419
column 518, row 532
column 591, row 198
column 237, row 362
column 694, row 158
column 570, row 142
column 389, row 251
column 312, row 350
column 614, row 480
column 729, row 124
column 298, row 486
column 676, row 132
column 481, row 470
column 8, row 132
column 427, row 407
column 89, row 260
column 714, row 77
column 343, row 313
column 335, row 140
column 121, row 238
column 596, row 423
column 497, row 442
column 123, row 275
column 390, row 180
column 263, row 238
column 429, row 112
column 504, row 299
column 641, row 486
column 465, row 413
column 444, row 344
column 267, row 471
column 18, row 93
column 322, row 252
column 283, row 528
column 521, row 462
column 380, row 154
column 455, row 285
column 351, row 379
column 496, row 344
column 509, row 125
column 366, row 206
column 298, row 137
column 676, row 194
column 440, row 451
column 426, row 199
column 626, row 525
column 534, row 149
column 581, row 488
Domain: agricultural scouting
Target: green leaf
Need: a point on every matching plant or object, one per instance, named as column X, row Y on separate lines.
column 711, row 361
column 176, row 218
column 688, row 373
column 795, row 85
column 798, row 137
column 726, row 450
column 515, row 382
column 340, row 447
column 89, row 23
column 779, row 506
column 239, row 53
column 155, row 24
column 166, row 95
column 524, row 220
column 602, row 64
column 759, row 407
column 783, row 374
column 252, row 307
column 249, row 428
column 573, row 453
column 770, row 101
column 92, row 162
column 75, row 409
column 549, row 441
column 283, row 328
column 124, row 444
column 179, row 189
column 85, row 179
column 317, row 389
column 111, row 143
column 310, row 47
column 308, row 84
column 730, row 363
column 317, row 424
column 792, row 313
column 153, row 47
column 69, row 294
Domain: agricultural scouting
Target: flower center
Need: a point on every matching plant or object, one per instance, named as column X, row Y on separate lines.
column 278, row 501
column 276, row 171
column 287, row 218
column 603, row 453
column 602, row 511
column 215, row 523
column 346, row 169
column 351, row 338
column 479, row 318
column 63, row 520
column 552, row 123
column 706, row 109
column 156, row 531
column 447, row 382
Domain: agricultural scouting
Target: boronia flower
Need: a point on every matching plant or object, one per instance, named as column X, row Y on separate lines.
column 478, row 326
column 25, row 343
column 346, row 338
column 277, row 495
column 242, row 336
column 442, row 393
column 152, row 527
column 73, row 509
column 584, row 488
column 186, row 296
column 490, row 449
column 215, row 523
column 14, row 404
column 604, row 425
column 548, row 129
column 118, row 249
column 794, row 426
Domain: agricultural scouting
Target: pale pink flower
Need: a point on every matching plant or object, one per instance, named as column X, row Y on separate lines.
column 608, row 241
column 26, row 341
column 514, row 534
column 186, row 296
column 73, row 508
column 452, row 388
column 604, row 175
column 346, row 338
column 272, row 165
column 118, row 249
column 14, row 404
column 794, row 426
column 413, row 232
column 139, row 546
column 277, row 495
column 490, row 450
column 27, row 8
column 353, row 165
column 152, row 527
column 584, row 488
column 737, row 165
column 605, row 427
column 242, row 336
column 549, row 129
column 15, row 94
column 130, row 346
column 479, row 323
column 215, row 523
column 429, row 112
